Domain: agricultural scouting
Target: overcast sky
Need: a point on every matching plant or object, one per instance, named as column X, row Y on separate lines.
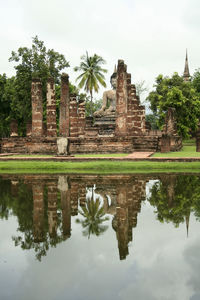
column 150, row 35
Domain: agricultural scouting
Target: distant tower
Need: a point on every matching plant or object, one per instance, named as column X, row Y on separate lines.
column 186, row 74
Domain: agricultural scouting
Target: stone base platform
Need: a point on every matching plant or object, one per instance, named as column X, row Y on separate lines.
column 84, row 145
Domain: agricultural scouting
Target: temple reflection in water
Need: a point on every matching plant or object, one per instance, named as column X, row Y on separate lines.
column 45, row 204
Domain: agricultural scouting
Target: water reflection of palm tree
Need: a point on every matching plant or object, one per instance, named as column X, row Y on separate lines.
column 93, row 214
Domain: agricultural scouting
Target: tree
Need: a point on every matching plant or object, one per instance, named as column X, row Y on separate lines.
column 196, row 80
column 33, row 62
column 92, row 74
column 174, row 203
column 7, row 93
column 141, row 88
column 152, row 120
column 94, row 216
column 174, row 92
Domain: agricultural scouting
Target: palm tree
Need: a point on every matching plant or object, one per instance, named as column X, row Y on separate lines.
column 92, row 74
column 94, row 216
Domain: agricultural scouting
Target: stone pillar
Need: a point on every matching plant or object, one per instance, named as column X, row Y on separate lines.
column 38, row 212
column 73, row 116
column 28, row 128
column 51, row 109
column 122, row 222
column 37, row 108
column 198, row 139
column 74, row 198
column 82, row 194
column 121, row 99
column 13, row 128
column 64, row 129
column 165, row 143
column 81, row 118
column 63, row 186
column 52, row 210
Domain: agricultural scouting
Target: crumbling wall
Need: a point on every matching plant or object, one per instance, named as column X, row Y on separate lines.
column 130, row 115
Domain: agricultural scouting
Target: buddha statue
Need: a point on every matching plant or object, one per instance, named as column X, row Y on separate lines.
column 109, row 99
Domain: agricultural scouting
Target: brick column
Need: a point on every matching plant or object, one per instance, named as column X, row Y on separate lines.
column 37, row 108
column 51, row 109
column 82, row 194
column 122, row 221
column 74, row 198
column 29, row 128
column 165, row 143
column 64, row 106
column 121, row 99
column 73, row 116
column 52, row 210
column 38, row 212
column 13, row 128
column 81, row 118
column 63, row 186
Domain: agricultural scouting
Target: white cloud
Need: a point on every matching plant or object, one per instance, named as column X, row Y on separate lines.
column 151, row 36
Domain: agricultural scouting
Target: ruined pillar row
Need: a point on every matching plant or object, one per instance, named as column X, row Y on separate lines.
column 51, row 109
column 64, row 107
column 37, row 108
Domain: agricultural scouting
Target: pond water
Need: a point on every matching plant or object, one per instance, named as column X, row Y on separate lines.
column 100, row 237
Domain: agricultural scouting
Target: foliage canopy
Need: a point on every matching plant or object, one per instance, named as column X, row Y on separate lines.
column 183, row 96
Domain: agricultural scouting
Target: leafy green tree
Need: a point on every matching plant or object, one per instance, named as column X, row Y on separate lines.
column 91, row 74
column 96, row 105
column 7, row 94
column 141, row 87
column 174, row 92
column 175, row 197
column 33, row 62
column 153, row 121
column 196, row 80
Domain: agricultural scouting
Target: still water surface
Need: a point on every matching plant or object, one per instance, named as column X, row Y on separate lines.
column 100, row 237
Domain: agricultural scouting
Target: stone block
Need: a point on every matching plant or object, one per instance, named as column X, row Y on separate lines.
column 165, row 143
column 62, row 146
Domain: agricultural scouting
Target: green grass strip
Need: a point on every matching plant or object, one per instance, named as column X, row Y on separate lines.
column 186, row 151
column 97, row 167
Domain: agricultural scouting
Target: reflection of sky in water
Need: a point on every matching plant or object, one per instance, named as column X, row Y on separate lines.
column 162, row 264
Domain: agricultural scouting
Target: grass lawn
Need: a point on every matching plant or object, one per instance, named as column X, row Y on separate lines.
column 186, row 151
column 97, row 167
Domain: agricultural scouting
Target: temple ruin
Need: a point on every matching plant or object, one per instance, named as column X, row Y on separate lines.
column 122, row 128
